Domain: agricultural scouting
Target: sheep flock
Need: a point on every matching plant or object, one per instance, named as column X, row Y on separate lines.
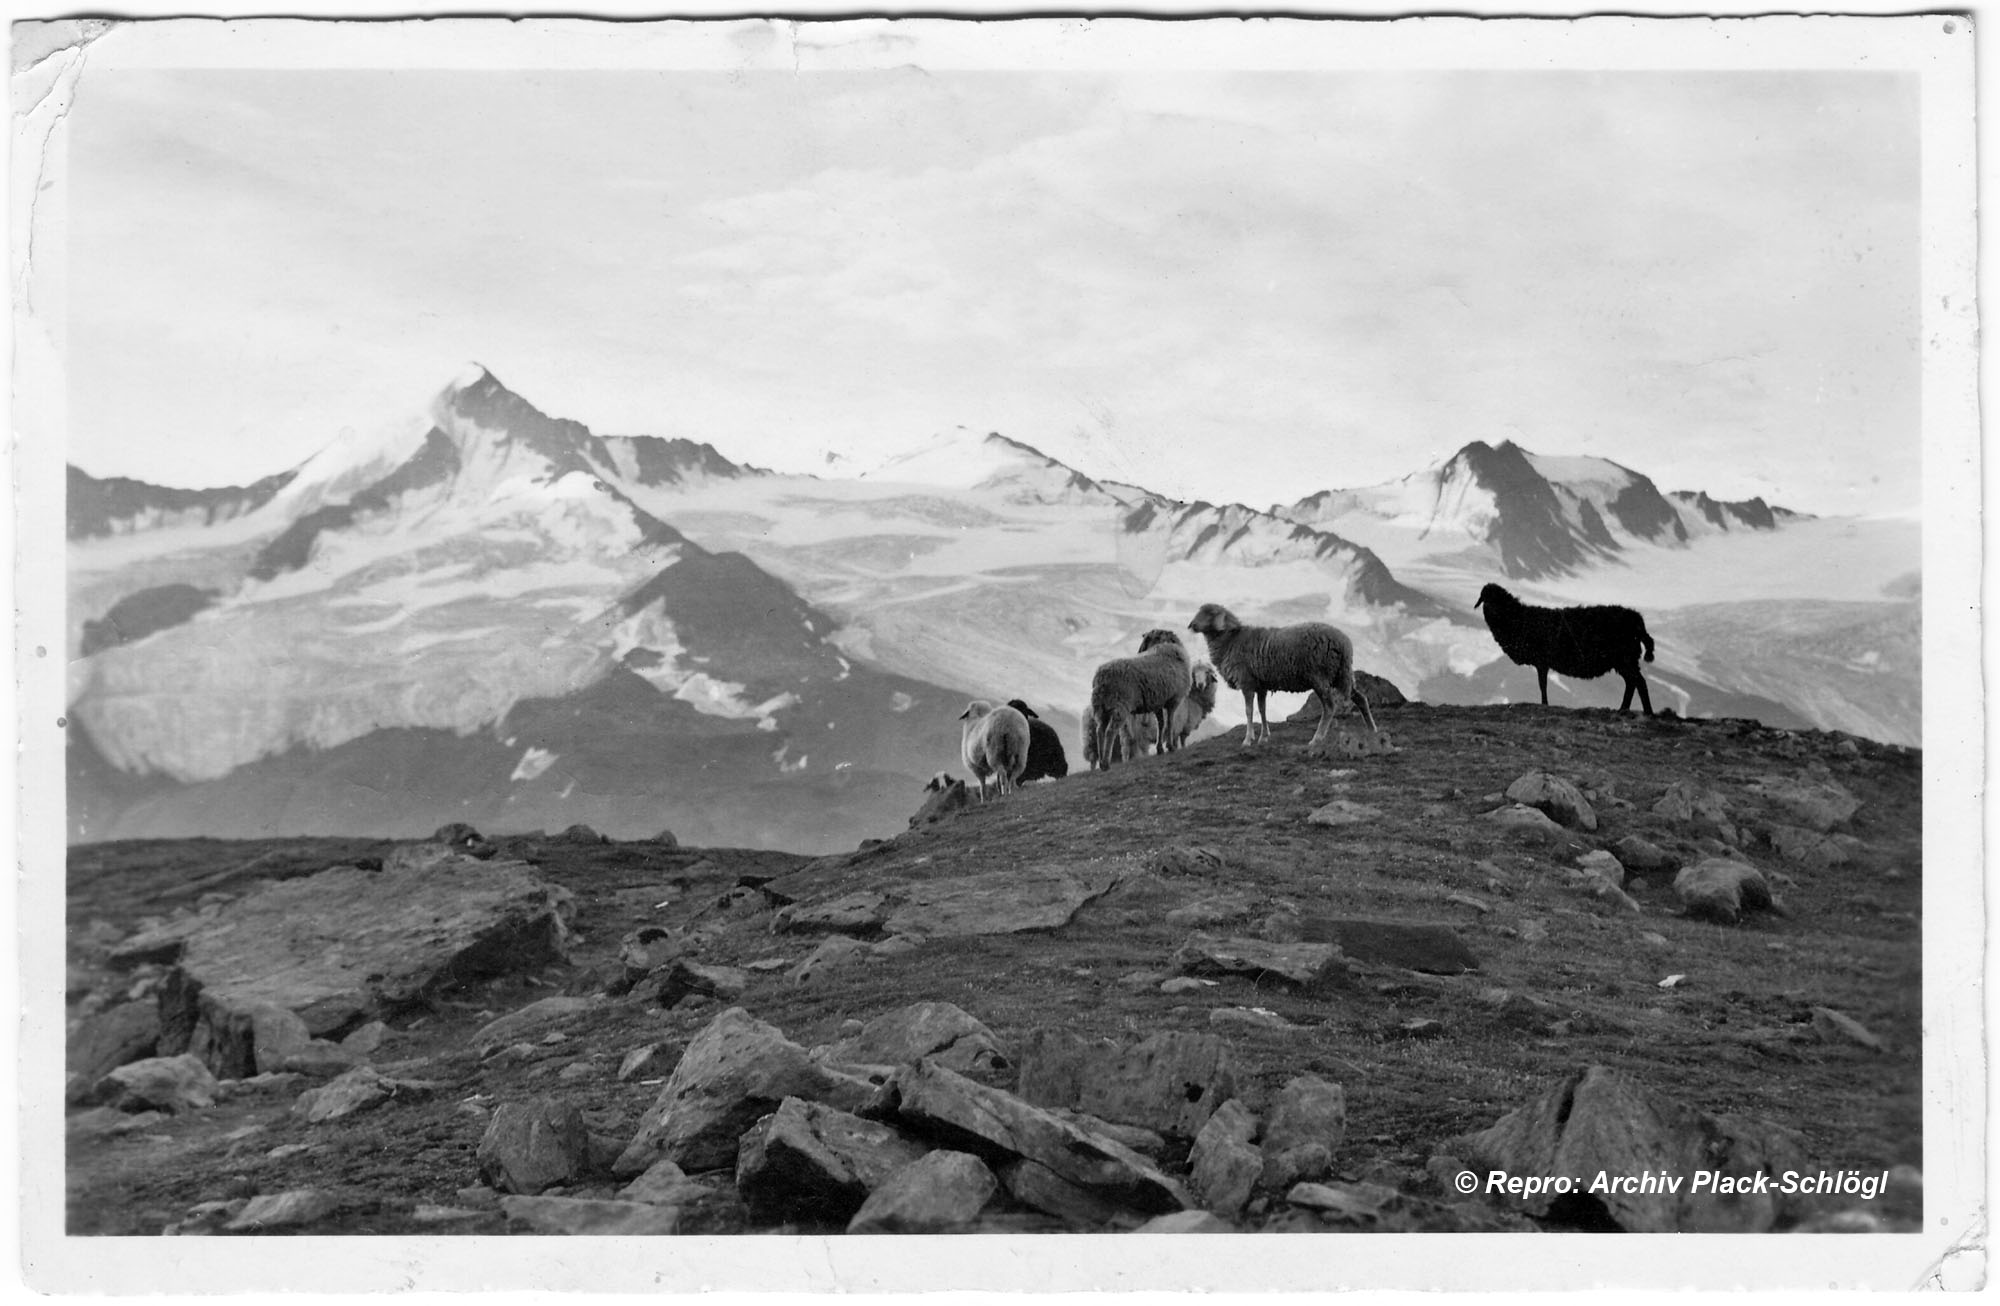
column 1157, row 698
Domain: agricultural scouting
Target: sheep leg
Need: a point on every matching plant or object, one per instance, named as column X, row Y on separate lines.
column 1249, row 718
column 1634, row 680
column 1360, row 700
column 1264, row 718
column 1542, row 679
column 1325, row 697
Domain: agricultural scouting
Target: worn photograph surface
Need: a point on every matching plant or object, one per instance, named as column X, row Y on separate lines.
column 773, row 636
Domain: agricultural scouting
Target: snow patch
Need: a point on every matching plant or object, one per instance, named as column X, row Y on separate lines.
column 533, row 763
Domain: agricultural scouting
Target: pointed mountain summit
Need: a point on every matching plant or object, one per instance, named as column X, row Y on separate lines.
column 1538, row 516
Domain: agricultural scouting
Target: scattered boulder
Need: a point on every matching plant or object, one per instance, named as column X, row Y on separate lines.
column 1560, row 800
column 532, row 1146
column 1640, row 857
column 1433, row 949
column 850, row 913
column 583, row 834
column 1602, row 876
column 172, row 1084
column 807, row 1161
column 970, row 1116
column 734, row 1072
column 648, row 948
column 681, row 978
column 1303, row 1131
column 1818, row 804
column 939, row 1190
column 1518, row 818
column 101, row 1043
column 1226, row 1163
column 834, row 951
column 1807, row 848
column 1170, row 1082
column 1601, row 1122
column 1210, row 911
column 938, row 1030
column 1722, row 889
column 1033, row 1184
column 1310, row 967
column 1248, row 1018
column 1692, row 803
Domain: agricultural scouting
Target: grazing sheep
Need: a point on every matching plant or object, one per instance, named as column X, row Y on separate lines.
column 1045, row 751
column 1289, row 659
column 1194, row 709
column 1124, row 689
column 948, row 797
column 994, row 744
column 1580, row 642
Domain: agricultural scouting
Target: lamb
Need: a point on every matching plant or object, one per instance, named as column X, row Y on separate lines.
column 1045, row 751
column 1582, row 642
column 994, row 743
column 1194, row 709
column 948, row 797
column 1124, row 689
column 1311, row 656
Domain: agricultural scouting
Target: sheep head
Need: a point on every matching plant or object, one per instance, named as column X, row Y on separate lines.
column 1023, row 709
column 1214, row 619
column 1158, row 636
column 1495, row 595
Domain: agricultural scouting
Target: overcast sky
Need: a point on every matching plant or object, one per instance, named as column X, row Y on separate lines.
column 1243, row 286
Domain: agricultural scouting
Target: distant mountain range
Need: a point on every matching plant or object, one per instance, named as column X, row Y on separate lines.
column 493, row 615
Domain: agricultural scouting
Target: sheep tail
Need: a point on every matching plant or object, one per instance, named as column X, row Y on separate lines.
column 1646, row 639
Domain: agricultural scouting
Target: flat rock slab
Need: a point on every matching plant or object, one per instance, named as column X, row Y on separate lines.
column 176, row 1084
column 938, row 1191
column 1599, row 1120
column 1312, row 967
column 1433, row 949
column 284, row 1210
column 969, row 1116
column 1040, row 896
column 734, row 1072
column 1225, row 1163
column 1170, row 1082
column 358, row 1090
column 345, row 944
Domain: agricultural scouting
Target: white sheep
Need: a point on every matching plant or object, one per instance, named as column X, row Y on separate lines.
column 994, row 743
column 1311, row 656
column 1194, row 709
column 1125, row 689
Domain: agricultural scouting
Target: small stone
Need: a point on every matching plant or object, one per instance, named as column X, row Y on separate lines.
column 1722, row 889
column 1248, row 1018
column 1186, row 1222
column 1641, row 857
column 1525, row 820
column 648, row 1062
column 173, row 1084
column 1187, row 984
column 1343, row 811
column 1835, row 1027
column 284, row 1210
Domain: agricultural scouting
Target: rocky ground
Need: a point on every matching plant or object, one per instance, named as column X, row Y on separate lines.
column 1216, row 990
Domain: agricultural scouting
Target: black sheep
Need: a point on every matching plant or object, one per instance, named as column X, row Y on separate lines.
column 1580, row 642
column 1045, row 750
